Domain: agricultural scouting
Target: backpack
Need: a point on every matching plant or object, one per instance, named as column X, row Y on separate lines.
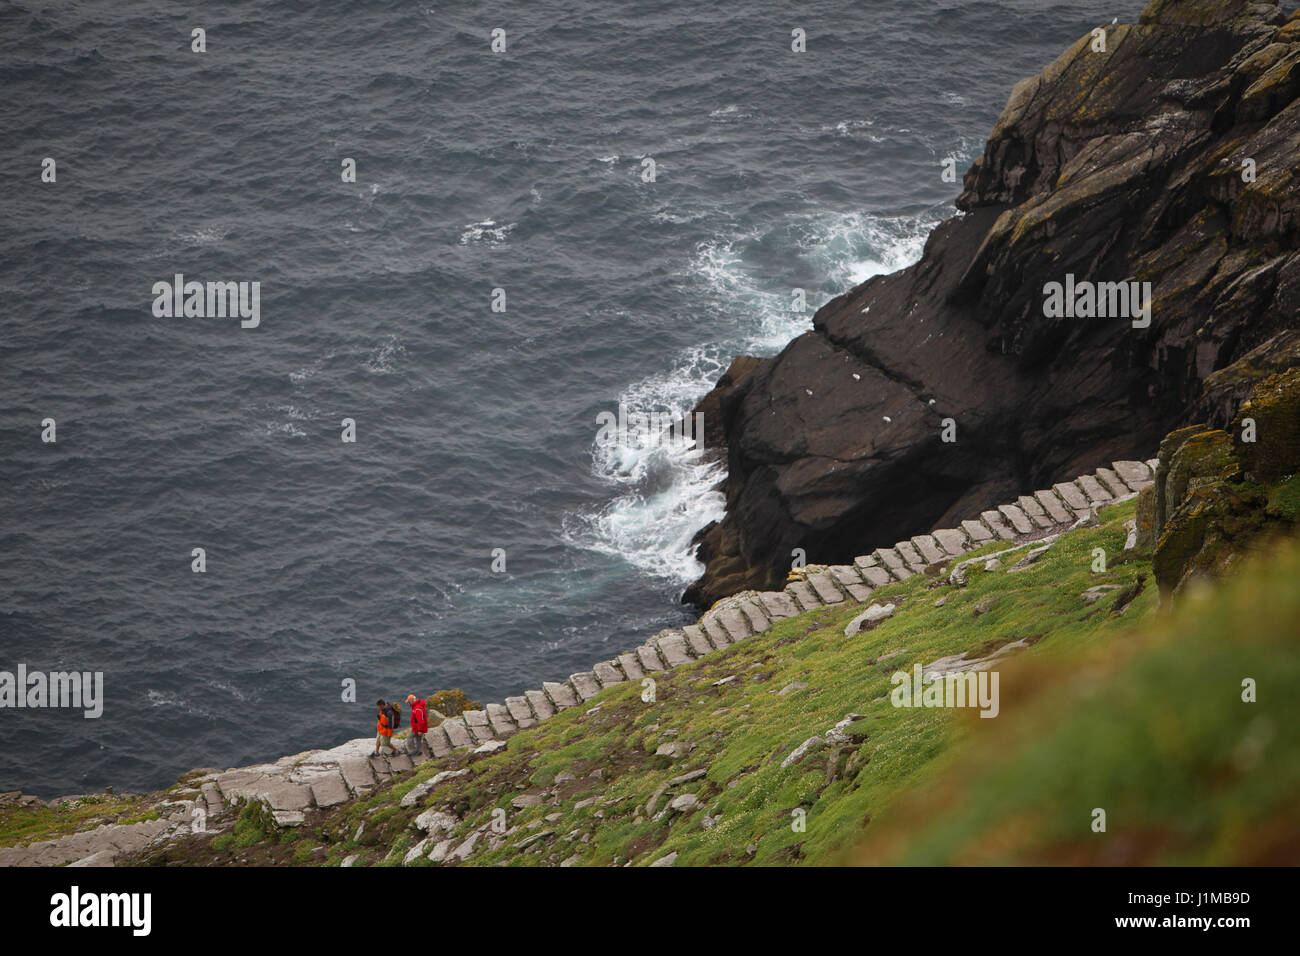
column 395, row 717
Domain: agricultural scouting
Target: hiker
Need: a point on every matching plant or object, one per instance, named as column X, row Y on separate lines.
column 384, row 738
column 416, row 742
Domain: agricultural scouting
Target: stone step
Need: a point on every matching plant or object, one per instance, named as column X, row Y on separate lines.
column 803, row 595
column 845, row 574
column 1054, row 506
column 697, row 639
column 1090, row 486
column 540, row 703
column 826, row 589
column 778, row 605
column 911, row 557
column 561, row 693
column 1018, row 520
column 859, row 592
column 608, row 673
column 889, row 559
column 877, row 577
column 672, row 648
column 457, row 732
column 866, row 561
column 630, row 664
column 361, row 779
column 649, row 658
column 713, row 629
column 736, row 623
column 521, row 712
column 482, row 734
column 1034, row 510
column 953, row 540
column 977, row 533
column 929, row 548
column 500, row 721
column 585, row 685
column 1073, row 497
column 1136, row 474
column 758, row 618
column 994, row 521
column 475, row 718
column 1112, row 483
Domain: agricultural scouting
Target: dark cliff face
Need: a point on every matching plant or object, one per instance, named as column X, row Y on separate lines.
column 1129, row 164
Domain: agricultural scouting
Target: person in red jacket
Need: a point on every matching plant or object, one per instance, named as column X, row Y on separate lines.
column 384, row 728
column 416, row 742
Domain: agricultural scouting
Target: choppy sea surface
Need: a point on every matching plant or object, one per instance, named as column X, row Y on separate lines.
column 521, row 170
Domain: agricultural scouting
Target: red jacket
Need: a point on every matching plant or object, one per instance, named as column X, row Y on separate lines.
column 419, row 718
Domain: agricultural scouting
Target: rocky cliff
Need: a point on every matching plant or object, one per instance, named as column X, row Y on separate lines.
column 1168, row 154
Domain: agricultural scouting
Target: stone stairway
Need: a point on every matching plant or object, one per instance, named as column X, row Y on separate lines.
column 320, row 779
column 743, row 615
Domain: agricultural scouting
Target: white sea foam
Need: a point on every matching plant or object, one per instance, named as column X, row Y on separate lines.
column 663, row 494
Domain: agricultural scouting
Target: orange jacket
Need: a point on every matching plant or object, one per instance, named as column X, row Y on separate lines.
column 384, row 729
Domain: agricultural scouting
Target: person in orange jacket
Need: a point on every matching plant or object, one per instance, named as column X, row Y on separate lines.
column 385, row 729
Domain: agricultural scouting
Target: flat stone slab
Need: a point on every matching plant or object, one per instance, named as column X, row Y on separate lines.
column 778, row 605
column 562, row 695
column 928, row 547
column 1034, row 510
column 845, row 574
column 1091, row 487
column 1112, row 483
column 475, row 718
column 758, row 619
column 993, row 521
column 608, row 673
column 866, row 561
column 859, row 592
column 952, row 540
column 673, row 651
column 1054, row 507
column 737, row 624
column 500, row 721
column 1136, row 474
column 540, row 703
column 1017, row 519
column 330, row 791
column 519, row 708
column 888, row 558
column 439, row 742
column 400, row 763
column 698, row 641
column 825, row 588
column 1074, row 498
column 631, row 666
column 585, row 683
column 977, row 532
column 457, row 732
column 715, row 631
column 911, row 557
column 803, row 595
column 649, row 658
column 877, row 577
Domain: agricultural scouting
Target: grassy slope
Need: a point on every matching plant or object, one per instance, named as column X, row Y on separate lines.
column 740, row 732
column 1136, row 715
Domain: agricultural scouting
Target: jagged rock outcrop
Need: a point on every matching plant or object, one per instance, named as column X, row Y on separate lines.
column 1219, row 495
column 1170, row 158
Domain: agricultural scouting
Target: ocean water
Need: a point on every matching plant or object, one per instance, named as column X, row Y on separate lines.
column 371, row 561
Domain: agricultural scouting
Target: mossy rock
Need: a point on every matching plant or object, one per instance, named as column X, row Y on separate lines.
column 1148, row 530
column 1275, row 411
column 1203, row 459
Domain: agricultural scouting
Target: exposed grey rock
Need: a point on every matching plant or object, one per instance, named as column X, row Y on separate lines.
column 872, row 615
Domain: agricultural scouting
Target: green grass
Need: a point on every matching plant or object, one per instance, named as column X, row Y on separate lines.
column 740, row 732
